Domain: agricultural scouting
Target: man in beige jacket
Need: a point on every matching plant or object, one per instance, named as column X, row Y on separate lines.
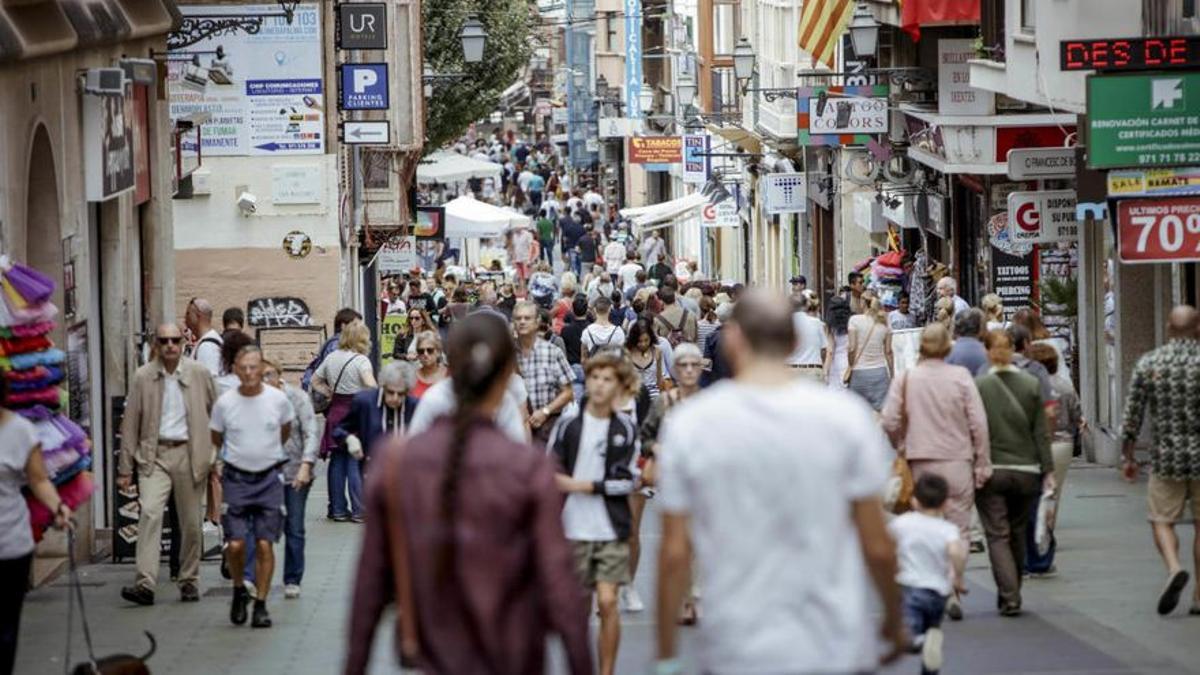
column 165, row 437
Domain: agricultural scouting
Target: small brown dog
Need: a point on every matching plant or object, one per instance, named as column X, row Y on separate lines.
column 119, row 664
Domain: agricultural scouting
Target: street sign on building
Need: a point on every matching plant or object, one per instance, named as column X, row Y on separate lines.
column 722, row 214
column 1039, row 163
column 1143, row 120
column 362, row 25
column 363, row 86
column 695, row 158
column 397, row 256
column 1154, row 182
column 1159, row 230
column 956, row 96
column 785, row 193
column 1042, row 217
column 655, row 150
column 366, row 133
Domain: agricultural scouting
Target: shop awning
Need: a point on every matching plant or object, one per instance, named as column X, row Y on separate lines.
column 471, row 218
column 451, row 167
column 747, row 140
column 665, row 212
column 979, row 144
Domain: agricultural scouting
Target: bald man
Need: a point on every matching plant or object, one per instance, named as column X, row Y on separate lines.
column 165, row 437
column 1166, row 380
column 207, row 351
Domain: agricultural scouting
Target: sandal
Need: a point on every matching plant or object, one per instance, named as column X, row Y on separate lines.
column 690, row 614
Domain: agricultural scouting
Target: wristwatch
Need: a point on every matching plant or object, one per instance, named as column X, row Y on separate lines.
column 546, row 411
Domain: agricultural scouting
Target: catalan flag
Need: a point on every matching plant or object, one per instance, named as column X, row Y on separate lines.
column 822, row 23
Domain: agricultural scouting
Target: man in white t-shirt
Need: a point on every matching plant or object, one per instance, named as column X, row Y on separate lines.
column 597, row 450
column 601, row 333
column 207, row 350
column 785, row 521
column 652, row 246
column 932, row 558
column 812, row 343
column 627, row 273
column 251, row 423
column 614, row 256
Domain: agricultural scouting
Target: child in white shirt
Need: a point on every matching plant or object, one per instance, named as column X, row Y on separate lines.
column 932, row 557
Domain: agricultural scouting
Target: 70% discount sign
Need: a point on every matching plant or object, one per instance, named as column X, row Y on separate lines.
column 1159, row 230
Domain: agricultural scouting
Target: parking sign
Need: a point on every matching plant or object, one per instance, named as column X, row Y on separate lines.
column 364, row 86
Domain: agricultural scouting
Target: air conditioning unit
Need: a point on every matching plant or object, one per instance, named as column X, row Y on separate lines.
column 104, row 81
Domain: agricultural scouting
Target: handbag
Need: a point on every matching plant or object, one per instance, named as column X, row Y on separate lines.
column 850, row 366
column 901, row 485
column 320, row 400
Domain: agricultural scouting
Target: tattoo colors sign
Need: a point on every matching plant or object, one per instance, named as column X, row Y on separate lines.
column 264, row 90
column 841, row 115
column 655, row 150
column 1159, row 230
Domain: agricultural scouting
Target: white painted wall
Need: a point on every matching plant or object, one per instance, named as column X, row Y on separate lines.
column 214, row 220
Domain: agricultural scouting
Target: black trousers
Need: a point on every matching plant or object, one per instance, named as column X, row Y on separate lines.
column 14, row 581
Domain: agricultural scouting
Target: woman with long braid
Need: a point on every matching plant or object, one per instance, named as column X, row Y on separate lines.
column 463, row 526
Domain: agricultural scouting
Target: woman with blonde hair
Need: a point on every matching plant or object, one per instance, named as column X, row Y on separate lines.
column 993, row 312
column 869, row 353
column 342, row 374
column 943, row 312
column 935, row 417
column 430, row 369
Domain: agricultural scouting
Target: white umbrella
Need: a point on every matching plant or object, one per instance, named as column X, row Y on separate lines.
column 451, row 167
column 469, row 217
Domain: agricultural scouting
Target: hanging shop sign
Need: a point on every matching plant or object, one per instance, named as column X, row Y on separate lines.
column 297, row 244
column 1042, row 217
column 559, row 115
column 363, row 86
column 785, row 193
column 430, row 223
column 263, row 91
column 362, row 25
column 1115, row 54
column 956, row 96
column 619, row 127
column 633, row 57
column 397, row 256
column 655, row 150
column 1041, row 163
column 695, row 158
column 722, row 214
column 868, row 213
column 108, row 144
column 1154, row 182
column 1013, row 279
column 1143, row 120
column 1159, row 230
column 825, row 116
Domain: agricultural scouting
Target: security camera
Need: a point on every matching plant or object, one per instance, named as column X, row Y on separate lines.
column 247, row 202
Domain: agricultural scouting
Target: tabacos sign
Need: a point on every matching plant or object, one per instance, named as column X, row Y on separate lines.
column 1042, row 217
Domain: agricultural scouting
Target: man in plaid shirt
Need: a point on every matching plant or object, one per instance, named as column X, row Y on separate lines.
column 546, row 371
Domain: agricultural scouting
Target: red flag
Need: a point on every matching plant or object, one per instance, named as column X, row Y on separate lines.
column 917, row 13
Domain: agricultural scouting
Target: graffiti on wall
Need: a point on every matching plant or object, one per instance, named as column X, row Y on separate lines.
column 277, row 312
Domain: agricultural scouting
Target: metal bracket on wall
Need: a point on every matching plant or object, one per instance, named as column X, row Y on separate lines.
column 194, row 29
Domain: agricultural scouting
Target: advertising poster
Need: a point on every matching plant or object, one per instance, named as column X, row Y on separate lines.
column 389, row 328
column 108, row 145
column 430, row 223
column 264, row 91
column 655, row 150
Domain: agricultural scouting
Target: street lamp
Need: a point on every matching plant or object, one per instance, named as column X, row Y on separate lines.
column 646, row 98
column 578, row 77
column 685, row 90
column 602, row 87
column 864, row 31
column 743, row 60
column 474, row 37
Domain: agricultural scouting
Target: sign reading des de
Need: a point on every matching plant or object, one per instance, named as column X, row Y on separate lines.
column 1143, row 120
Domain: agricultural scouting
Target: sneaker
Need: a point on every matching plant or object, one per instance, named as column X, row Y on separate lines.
column 188, row 592
column 954, row 609
column 237, row 610
column 977, row 547
column 1010, row 610
column 138, row 595
column 931, row 651
column 291, row 591
column 358, row 519
column 261, row 618
column 630, row 601
column 1170, row 595
column 340, row 519
column 251, row 589
column 1048, row 574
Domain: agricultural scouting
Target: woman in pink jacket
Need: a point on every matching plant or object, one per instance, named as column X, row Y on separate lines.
column 935, row 418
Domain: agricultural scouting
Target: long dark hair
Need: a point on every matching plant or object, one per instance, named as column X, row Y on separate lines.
column 636, row 330
column 837, row 315
column 480, row 353
column 231, row 343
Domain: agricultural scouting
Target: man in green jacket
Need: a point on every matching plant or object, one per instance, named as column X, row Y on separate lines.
column 1021, row 461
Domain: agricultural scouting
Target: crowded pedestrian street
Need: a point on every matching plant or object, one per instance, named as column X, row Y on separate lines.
column 1094, row 617
column 676, row 337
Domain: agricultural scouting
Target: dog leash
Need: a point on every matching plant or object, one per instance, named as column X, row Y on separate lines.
column 72, row 598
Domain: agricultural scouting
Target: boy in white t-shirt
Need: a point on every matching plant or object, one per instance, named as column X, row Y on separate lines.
column 932, row 558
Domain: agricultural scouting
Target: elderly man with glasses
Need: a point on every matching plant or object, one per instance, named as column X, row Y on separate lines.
column 165, row 436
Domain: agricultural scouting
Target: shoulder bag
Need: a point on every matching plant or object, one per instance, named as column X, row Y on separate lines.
column 320, row 400
column 857, row 355
column 900, row 486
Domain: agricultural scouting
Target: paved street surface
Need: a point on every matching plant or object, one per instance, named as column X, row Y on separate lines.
column 1097, row 616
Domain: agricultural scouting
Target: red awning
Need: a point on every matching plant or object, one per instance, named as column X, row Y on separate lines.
column 917, row 13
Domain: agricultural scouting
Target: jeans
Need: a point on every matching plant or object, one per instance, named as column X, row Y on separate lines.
column 571, row 258
column 577, row 381
column 14, row 580
column 922, row 610
column 294, row 502
column 547, row 251
column 345, row 475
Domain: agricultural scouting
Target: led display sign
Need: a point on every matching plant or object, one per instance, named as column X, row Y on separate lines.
column 1114, row 54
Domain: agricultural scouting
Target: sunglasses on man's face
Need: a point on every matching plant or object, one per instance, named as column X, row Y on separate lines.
column 170, row 340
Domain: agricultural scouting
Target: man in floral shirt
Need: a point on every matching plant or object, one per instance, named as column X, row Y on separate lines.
column 1167, row 380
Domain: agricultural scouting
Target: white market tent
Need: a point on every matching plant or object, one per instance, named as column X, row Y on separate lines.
column 467, row 217
column 665, row 213
column 450, row 167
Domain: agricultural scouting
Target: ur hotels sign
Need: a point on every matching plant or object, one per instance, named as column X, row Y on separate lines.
column 1143, row 120
column 362, row 26
column 364, row 86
